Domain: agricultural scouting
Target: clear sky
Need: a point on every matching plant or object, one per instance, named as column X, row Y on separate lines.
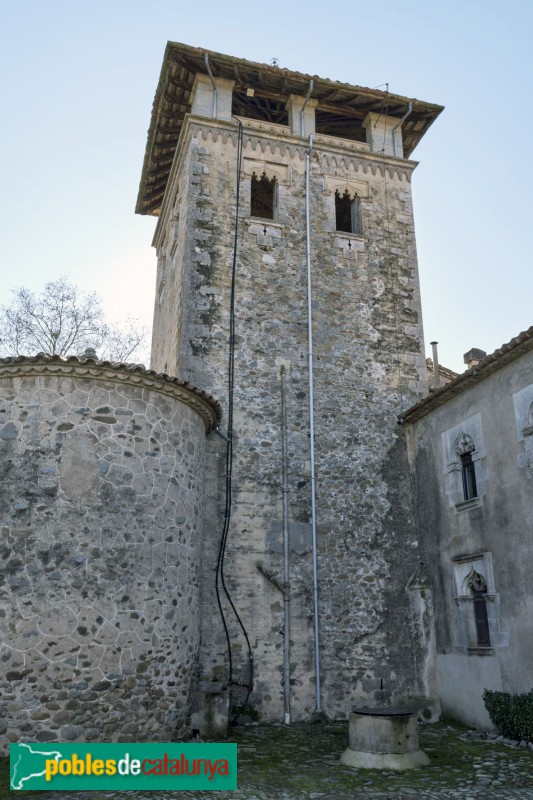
column 77, row 81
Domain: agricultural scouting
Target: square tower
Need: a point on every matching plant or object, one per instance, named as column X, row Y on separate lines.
column 239, row 156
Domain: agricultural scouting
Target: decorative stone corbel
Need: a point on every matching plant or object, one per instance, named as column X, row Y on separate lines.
column 341, row 185
column 270, row 168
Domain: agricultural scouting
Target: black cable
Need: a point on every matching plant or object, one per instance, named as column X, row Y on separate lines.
column 220, row 578
column 389, row 244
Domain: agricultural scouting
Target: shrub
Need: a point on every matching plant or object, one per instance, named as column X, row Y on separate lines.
column 511, row 713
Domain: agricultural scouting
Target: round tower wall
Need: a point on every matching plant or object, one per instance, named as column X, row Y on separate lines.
column 101, row 470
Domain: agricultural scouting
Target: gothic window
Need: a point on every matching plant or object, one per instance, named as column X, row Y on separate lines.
column 478, row 589
column 347, row 212
column 464, row 447
column 264, row 191
column 469, row 476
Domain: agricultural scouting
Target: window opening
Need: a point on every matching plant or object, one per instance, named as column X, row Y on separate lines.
column 263, row 196
column 478, row 587
column 260, row 108
column 340, row 125
column 468, row 470
column 347, row 212
column 528, row 430
column 464, row 447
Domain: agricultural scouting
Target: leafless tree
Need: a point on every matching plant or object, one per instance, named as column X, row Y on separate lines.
column 64, row 320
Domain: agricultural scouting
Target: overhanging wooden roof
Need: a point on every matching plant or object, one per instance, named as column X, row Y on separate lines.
column 172, row 101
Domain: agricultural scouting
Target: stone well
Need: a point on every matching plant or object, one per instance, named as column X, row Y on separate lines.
column 101, row 472
column 383, row 738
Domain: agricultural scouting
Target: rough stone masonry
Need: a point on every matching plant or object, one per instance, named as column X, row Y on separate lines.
column 112, row 498
column 101, row 475
column 368, row 364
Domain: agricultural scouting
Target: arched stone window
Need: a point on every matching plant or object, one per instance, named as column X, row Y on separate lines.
column 464, row 447
column 477, row 586
column 347, row 212
column 264, row 196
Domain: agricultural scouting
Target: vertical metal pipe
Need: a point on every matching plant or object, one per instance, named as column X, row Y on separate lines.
column 436, row 373
column 312, row 421
column 208, row 67
column 286, row 573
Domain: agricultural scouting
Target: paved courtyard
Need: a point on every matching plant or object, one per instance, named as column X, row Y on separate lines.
column 301, row 762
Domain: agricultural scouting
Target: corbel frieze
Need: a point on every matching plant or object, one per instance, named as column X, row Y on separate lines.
column 250, row 141
column 331, row 162
column 282, row 149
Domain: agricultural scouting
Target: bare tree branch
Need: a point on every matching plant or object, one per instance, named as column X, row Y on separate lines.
column 63, row 320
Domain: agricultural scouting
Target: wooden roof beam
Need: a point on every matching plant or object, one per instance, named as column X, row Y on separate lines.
column 160, row 185
column 238, row 77
column 158, row 165
column 177, row 115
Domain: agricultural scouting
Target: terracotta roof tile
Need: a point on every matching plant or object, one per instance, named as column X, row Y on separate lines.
column 136, row 369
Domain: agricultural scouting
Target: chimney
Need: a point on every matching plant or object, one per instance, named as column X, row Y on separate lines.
column 436, row 373
column 473, row 357
column 90, row 352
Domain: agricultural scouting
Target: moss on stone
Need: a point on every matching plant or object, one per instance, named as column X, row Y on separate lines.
column 302, row 761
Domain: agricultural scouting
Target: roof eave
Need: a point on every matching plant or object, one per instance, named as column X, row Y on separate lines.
column 500, row 358
column 192, row 58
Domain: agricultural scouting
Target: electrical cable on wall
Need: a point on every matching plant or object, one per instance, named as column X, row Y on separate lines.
column 389, row 248
column 220, row 578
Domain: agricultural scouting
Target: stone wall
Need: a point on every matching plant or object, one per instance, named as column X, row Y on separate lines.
column 369, row 364
column 489, row 533
column 100, row 520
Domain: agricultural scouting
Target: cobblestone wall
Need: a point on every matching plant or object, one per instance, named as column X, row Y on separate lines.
column 100, row 519
column 369, row 364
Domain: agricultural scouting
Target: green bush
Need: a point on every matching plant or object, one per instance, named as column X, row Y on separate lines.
column 511, row 713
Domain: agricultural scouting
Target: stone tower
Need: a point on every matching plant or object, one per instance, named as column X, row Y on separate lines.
column 349, row 568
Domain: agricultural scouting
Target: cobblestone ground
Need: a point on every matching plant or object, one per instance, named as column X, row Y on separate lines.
column 302, row 763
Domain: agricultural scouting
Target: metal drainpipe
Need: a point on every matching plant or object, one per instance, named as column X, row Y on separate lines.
column 286, row 575
column 312, row 418
column 208, row 67
column 409, row 109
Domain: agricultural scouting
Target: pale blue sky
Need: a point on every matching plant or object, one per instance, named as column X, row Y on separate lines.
column 77, row 80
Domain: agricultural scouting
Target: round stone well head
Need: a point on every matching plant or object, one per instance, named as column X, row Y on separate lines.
column 383, row 738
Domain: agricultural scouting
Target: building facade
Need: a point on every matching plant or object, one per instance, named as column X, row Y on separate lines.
column 172, row 560
column 471, row 449
column 211, row 114
column 162, row 578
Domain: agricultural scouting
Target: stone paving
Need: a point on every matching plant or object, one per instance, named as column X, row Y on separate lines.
column 302, row 763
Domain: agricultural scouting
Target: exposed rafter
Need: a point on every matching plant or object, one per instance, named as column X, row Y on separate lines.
column 272, row 87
